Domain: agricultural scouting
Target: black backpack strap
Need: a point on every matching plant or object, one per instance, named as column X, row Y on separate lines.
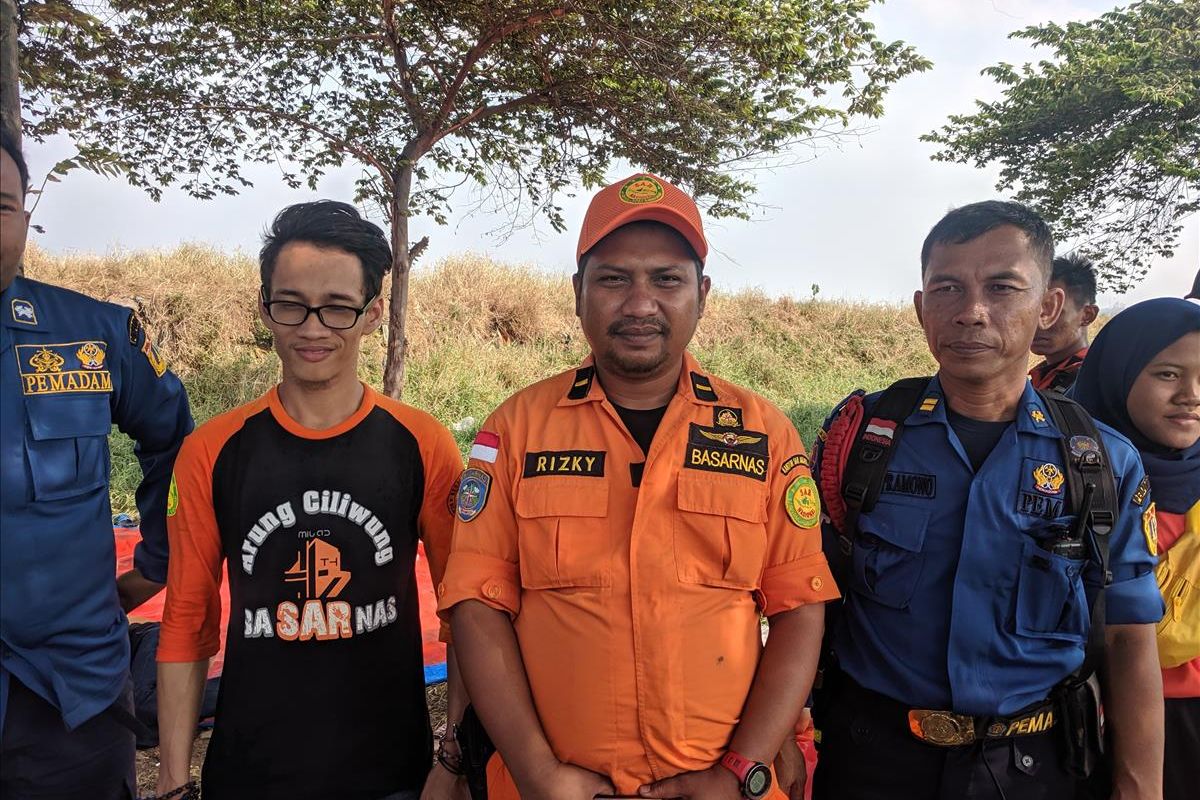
column 877, row 438
column 859, row 484
column 1092, row 495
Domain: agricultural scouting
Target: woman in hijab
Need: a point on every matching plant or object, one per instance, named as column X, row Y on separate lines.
column 1142, row 377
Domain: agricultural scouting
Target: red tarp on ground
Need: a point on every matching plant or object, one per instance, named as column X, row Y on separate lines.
column 152, row 609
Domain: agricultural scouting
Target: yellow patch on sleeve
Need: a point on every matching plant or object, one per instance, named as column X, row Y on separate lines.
column 157, row 362
column 803, row 503
column 172, row 498
column 1150, row 529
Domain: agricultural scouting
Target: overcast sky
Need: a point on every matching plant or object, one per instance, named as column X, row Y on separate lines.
column 850, row 221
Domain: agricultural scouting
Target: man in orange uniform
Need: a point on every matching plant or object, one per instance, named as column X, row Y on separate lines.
column 620, row 527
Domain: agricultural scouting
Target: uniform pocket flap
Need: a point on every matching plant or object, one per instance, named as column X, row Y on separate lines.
column 1051, row 603
column 722, row 496
column 903, row 526
column 68, row 417
column 562, row 496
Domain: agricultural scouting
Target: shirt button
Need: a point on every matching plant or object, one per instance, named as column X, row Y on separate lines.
column 1026, row 761
column 441, row 590
column 492, row 591
column 816, row 583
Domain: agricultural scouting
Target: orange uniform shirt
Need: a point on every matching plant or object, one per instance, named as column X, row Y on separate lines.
column 637, row 607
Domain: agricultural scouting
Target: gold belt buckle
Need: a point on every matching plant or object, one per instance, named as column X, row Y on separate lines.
column 942, row 728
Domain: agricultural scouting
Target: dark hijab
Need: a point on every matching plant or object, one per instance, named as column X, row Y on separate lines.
column 1120, row 352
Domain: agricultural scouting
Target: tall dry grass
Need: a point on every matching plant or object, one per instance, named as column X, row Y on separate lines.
column 478, row 331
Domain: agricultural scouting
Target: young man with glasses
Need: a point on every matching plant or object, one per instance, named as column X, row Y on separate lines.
column 316, row 494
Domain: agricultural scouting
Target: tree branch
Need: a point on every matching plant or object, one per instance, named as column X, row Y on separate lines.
column 400, row 56
column 485, row 111
column 328, row 136
column 483, row 46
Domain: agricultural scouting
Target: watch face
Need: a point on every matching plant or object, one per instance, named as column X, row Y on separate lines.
column 758, row 782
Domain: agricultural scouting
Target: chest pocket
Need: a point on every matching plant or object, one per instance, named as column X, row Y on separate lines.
column 563, row 534
column 66, row 445
column 720, row 533
column 1051, row 602
column 887, row 553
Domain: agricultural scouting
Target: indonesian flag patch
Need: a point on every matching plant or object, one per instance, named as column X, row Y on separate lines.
column 880, row 431
column 486, row 447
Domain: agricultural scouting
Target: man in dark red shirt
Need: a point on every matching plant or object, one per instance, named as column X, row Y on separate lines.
column 1065, row 343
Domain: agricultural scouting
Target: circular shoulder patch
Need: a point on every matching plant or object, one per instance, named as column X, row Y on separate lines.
column 803, row 503
column 472, row 493
column 172, row 498
column 641, row 189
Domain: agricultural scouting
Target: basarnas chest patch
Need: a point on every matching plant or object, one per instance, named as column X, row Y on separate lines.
column 586, row 463
column 64, row 368
column 736, row 452
column 1041, row 489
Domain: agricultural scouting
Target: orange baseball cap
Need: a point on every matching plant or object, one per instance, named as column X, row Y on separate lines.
column 641, row 197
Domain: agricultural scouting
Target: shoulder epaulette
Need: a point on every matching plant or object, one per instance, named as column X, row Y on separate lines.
column 582, row 383
column 702, row 388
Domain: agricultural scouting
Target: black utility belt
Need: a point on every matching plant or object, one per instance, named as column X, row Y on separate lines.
column 947, row 729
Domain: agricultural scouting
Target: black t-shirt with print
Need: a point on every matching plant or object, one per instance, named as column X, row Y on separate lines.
column 323, row 690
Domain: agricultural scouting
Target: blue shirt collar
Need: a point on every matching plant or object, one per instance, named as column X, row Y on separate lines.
column 1032, row 415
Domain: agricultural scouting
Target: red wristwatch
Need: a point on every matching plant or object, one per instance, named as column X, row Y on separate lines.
column 754, row 776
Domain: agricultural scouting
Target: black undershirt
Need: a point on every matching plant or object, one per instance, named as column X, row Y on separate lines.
column 642, row 424
column 979, row 437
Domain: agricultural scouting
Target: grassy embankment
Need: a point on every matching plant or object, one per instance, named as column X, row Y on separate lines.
column 478, row 331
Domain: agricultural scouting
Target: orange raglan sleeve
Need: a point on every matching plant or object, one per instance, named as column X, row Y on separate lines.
column 484, row 563
column 191, row 626
column 796, row 572
column 443, row 464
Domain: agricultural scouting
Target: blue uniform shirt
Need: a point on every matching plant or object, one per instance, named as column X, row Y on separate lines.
column 951, row 603
column 71, row 367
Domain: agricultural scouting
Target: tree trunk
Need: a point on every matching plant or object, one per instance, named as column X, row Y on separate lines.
column 397, row 344
column 10, row 87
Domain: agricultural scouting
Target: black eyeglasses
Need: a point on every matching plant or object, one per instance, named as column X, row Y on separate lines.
column 337, row 317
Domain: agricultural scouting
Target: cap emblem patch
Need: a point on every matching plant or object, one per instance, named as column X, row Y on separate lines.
column 641, row 189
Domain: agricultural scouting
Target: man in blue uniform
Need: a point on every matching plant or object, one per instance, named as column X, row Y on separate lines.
column 961, row 617
column 70, row 367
